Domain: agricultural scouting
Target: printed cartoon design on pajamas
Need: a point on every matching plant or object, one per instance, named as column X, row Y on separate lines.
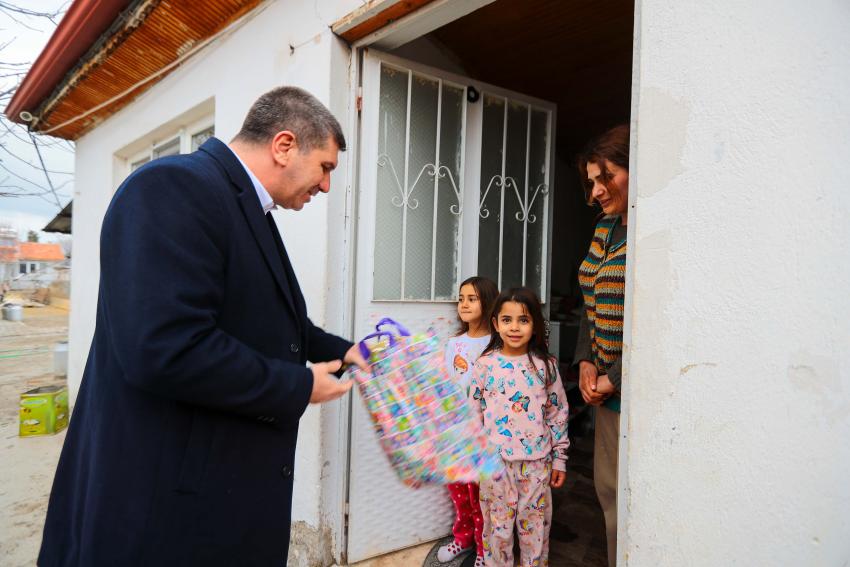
column 460, row 364
column 520, row 402
column 509, row 420
column 520, row 498
column 477, row 395
column 500, row 424
column 531, row 443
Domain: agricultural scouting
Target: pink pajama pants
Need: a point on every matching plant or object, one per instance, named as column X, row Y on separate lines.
column 468, row 522
column 520, row 497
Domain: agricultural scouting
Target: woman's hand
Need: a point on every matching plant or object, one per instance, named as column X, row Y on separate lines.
column 588, row 383
column 604, row 386
column 558, row 478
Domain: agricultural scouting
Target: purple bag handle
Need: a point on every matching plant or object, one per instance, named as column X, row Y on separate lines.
column 364, row 348
column 402, row 330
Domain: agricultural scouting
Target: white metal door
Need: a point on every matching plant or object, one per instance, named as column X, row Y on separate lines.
column 422, row 211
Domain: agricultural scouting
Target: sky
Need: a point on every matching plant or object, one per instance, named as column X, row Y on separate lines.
column 21, row 42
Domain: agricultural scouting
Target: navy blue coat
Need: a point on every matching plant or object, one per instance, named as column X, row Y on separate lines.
column 181, row 449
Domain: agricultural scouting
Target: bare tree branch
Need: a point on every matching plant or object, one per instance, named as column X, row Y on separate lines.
column 15, row 184
column 9, row 15
column 22, row 160
column 13, row 174
column 21, row 192
column 9, row 9
column 46, row 174
column 57, row 143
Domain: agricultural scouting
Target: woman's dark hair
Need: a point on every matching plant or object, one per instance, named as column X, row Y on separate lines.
column 487, row 291
column 537, row 345
column 613, row 146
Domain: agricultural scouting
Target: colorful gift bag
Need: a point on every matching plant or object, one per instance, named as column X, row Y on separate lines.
column 421, row 416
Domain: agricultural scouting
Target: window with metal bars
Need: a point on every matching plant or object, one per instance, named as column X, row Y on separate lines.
column 419, row 192
column 423, row 129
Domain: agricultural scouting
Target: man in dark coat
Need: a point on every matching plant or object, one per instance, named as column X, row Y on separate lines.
column 181, row 450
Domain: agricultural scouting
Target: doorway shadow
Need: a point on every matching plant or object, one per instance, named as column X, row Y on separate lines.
column 577, row 538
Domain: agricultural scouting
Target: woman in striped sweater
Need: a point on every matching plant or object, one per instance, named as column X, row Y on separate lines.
column 604, row 168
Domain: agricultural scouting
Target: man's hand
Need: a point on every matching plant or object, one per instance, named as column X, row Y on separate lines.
column 325, row 386
column 558, row 478
column 353, row 356
column 588, row 383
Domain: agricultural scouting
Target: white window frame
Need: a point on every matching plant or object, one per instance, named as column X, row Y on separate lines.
column 183, row 134
column 177, row 141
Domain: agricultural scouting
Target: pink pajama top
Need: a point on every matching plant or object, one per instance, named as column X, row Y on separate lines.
column 524, row 414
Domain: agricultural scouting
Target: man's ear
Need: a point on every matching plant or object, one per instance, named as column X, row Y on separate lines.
column 283, row 144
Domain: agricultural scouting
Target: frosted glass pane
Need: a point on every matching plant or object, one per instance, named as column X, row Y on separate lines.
column 448, row 222
column 420, row 212
column 392, row 123
column 170, row 148
column 199, row 138
column 136, row 165
column 536, row 240
column 513, row 226
column 489, row 224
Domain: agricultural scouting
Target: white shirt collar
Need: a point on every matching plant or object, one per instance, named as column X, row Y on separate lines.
column 266, row 200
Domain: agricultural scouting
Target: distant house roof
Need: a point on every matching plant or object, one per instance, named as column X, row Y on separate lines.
column 9, row 252
column 40, row 252
column 62, row 221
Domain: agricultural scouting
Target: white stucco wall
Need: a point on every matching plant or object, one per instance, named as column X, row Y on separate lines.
column 233, row 72
column 739, row 367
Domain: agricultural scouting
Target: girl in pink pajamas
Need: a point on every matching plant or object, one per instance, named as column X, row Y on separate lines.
column 475, row 299
column 521, row 401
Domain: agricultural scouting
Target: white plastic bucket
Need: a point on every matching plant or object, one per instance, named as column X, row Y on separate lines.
column 13, row 312
column 60, row 358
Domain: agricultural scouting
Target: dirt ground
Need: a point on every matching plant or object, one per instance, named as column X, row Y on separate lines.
column 26, row 464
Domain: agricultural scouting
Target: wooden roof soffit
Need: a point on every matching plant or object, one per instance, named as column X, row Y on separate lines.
column 141, row 47
column 373, row 16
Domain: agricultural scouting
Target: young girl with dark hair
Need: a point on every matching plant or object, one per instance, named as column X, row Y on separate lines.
column 475, row 301
column 520, row 399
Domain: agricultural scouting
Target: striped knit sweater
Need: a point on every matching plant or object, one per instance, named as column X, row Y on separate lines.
column 602, row 277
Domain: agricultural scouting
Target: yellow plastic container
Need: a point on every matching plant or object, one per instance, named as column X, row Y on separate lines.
column 44, row 411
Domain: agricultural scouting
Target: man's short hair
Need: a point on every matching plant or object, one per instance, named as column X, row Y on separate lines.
column 293, row 109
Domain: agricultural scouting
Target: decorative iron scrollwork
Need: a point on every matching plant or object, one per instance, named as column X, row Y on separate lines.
column 506, row 182
column 404, row 198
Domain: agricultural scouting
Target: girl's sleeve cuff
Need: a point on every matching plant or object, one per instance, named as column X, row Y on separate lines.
column 560, row 465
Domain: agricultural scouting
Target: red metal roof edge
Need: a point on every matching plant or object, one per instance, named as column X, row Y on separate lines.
column 80, row 28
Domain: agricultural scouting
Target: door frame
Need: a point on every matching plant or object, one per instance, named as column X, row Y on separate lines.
column 468, row 249
column 414, row 25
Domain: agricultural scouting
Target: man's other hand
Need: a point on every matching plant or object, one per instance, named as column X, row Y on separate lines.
column 325, row 386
